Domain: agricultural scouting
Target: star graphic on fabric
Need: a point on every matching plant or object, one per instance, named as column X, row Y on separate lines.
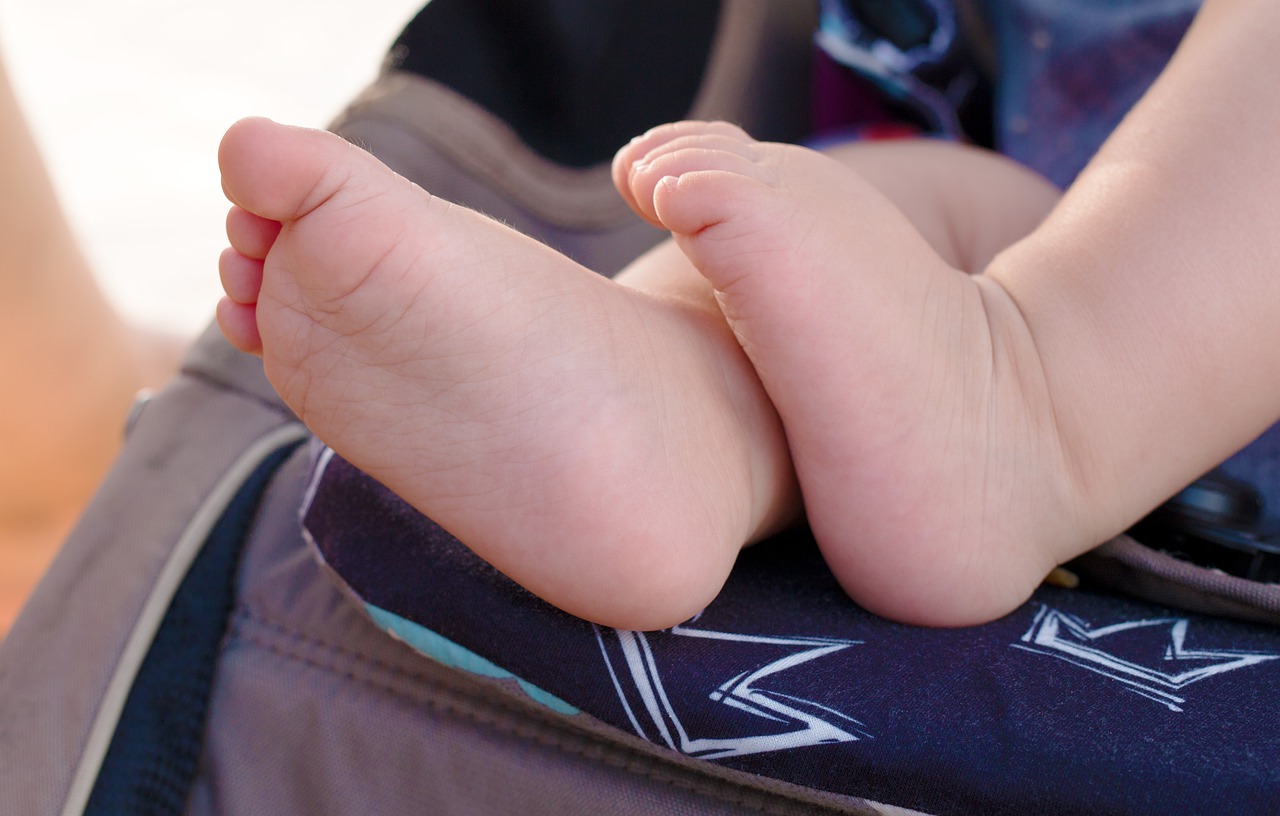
column 783, row 721
column 1149, row 656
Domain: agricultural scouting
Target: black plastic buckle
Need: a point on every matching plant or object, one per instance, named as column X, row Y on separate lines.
column 1217, row 522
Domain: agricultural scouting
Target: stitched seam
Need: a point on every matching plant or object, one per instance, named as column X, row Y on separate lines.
column 601, row 753
column 574, row 744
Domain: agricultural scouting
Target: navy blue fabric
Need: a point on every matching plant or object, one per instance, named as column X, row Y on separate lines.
column 1079, row 702
column 151, row 762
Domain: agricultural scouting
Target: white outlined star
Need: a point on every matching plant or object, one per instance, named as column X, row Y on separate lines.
column 629, row 656
column 1069, row 638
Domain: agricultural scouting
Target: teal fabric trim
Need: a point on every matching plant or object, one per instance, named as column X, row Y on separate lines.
column 451, row 654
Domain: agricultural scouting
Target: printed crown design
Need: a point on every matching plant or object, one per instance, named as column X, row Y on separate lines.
column 1150, row 656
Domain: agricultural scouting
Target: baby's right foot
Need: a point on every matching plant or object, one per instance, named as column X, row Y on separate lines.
column 917, row 415
column 589, row 441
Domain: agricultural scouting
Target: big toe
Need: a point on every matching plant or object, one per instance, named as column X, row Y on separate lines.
column 280, row 172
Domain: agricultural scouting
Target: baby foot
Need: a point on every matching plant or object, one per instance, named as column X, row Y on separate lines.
column 911, row 394
column 508, row 393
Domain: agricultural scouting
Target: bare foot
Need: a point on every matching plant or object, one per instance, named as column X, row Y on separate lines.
column 586, row 439
column 912, row 397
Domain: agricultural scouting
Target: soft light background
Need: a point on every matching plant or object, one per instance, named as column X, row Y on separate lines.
column 128, row 99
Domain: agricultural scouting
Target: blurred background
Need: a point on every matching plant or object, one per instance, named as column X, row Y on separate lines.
column 128, row 99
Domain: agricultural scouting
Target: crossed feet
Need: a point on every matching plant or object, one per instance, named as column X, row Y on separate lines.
column 612, row 446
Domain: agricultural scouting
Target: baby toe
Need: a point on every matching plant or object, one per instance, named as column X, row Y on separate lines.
column 251, row 235
column 241, row 276
column 239, row 324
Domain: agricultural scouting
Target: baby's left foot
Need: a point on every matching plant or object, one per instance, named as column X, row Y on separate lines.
column 911, row 393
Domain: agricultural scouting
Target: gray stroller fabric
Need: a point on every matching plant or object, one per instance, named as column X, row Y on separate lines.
column 70, row 660
column 313, row 709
